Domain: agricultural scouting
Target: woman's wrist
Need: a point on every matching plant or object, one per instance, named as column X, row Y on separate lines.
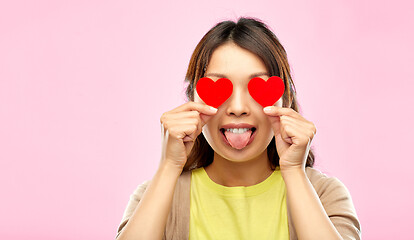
column 292, row 172
column 167, row 167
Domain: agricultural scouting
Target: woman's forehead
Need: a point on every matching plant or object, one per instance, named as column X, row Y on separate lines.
column 232, row 61
column 214, row 75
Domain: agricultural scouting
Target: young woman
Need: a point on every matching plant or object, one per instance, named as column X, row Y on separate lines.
column 240, row 171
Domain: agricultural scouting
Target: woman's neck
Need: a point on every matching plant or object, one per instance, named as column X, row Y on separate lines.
column 232, row 174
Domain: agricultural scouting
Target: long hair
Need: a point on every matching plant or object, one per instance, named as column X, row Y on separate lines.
column 251, row 34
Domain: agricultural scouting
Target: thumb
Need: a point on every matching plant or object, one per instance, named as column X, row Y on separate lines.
column 205, row 118
column 281, row 145
column 275, row 123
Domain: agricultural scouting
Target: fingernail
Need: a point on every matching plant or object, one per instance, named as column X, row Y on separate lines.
column 213, row 109
column 267, row 109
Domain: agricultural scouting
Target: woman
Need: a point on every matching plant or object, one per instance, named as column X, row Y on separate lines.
column 250, row 174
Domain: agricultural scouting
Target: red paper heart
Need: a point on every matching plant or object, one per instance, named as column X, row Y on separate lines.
column 214, row 93
column 266, row 93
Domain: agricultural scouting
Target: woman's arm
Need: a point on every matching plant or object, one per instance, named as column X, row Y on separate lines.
column 293, row 138
column 150, row 216
column 308, row 214
column 179, row 129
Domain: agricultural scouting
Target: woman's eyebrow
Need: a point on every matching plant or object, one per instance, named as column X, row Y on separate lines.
column 219, row 75
column 258, row 74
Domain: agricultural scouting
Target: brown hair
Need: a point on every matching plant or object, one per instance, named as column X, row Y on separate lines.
column 251, row 34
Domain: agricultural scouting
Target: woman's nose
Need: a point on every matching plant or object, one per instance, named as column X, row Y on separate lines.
column 238, row 103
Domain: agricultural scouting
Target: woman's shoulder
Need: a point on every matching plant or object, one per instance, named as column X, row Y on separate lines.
column 327, row 187
column 315, row 173
column 140, row 189
column 317, row 177
column 337, row 202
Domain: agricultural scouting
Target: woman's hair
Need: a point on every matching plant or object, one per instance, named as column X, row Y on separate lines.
column 251, row 34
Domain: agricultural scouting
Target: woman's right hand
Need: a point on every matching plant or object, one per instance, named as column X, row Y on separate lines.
column 180, row 127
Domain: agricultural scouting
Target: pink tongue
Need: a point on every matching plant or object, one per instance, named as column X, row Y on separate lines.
column 238, row 140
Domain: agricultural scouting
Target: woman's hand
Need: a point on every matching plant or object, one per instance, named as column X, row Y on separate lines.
column 180, row 128
column 293, row 136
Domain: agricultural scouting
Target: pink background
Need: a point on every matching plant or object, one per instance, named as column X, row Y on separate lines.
column 83, row 85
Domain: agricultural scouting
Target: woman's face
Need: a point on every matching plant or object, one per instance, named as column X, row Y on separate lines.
column 239, row 66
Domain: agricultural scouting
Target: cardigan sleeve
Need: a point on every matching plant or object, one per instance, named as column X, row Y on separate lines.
column 337, row 202
column 134, row 199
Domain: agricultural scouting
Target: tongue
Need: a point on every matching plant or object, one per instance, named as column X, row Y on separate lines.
column 238, row 140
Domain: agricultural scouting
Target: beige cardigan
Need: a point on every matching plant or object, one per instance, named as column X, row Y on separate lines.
column 333, row 194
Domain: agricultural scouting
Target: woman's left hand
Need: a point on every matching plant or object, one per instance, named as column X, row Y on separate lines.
column 293, row 136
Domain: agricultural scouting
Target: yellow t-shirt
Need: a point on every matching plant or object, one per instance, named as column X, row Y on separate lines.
column 253, row 212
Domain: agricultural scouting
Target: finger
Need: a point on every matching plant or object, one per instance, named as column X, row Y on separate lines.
column 180, row 132
column 282, row 111
column 183, row 115
column 285, row 133
column 275, row 123
column 294, row 133
column 201, row 118
column 191, row 117
column 200, row 107
column 308, row 128
column 198, row 119
column 169, row 116
column 191, row 121
column 297, row 122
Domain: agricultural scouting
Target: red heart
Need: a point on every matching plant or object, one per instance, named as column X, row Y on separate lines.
column 266, row 93
column 214, row 93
